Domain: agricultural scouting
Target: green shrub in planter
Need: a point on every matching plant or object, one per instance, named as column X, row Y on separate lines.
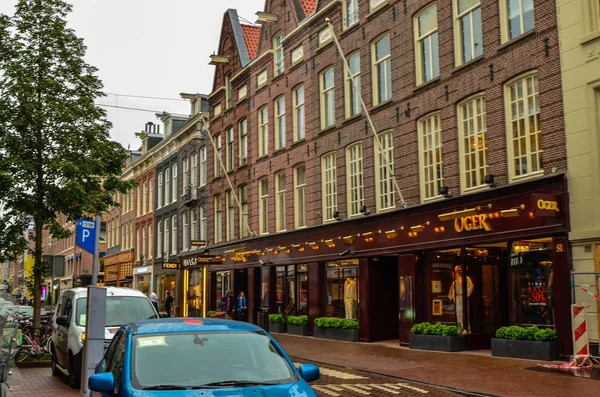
column 276, row 318
column 526, row 333
column 334, row 322
column 350, row 324
column 297, row 320
column 210, row 313
column 434, row 329
column 545, row 335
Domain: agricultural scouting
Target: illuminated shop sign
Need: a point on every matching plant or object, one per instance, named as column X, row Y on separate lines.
column 170, row 265
column 473, row 222
column 545, row 205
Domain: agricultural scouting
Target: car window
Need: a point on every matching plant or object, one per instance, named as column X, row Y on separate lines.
column 67, row 309
column 115, row 357
column 196, row 359
column 119, row 310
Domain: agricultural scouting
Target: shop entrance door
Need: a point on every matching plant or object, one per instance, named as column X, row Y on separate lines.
column 406, row 310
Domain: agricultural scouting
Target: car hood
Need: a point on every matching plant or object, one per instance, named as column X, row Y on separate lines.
column 298, row 389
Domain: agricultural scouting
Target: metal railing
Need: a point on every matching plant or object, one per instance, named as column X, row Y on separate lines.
column 591, row 282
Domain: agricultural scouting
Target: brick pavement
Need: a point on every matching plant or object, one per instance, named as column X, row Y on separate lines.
column 463, row 371
column 40, row 382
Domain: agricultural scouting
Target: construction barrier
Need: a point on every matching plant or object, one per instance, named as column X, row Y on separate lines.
column 580, row 335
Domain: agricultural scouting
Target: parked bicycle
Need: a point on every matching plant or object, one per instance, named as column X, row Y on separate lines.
column 31, row 346
column 8, row 342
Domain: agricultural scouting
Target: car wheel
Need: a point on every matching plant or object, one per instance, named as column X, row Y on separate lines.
column 74, row 374
column 55, row 370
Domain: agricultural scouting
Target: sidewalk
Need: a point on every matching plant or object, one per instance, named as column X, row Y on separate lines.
column 463, row 371
column 40, row 382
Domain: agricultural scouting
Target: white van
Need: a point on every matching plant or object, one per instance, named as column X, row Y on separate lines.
column 123, row 305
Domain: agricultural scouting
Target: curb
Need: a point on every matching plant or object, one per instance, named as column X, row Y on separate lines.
column 34, row 364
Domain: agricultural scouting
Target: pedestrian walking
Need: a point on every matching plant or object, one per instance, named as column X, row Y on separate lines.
column 227, row 303
column 154, row 299
column 169, row 304
column 242, row 307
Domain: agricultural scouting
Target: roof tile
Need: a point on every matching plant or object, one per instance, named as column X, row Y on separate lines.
column 309, row 6
column 251, row 37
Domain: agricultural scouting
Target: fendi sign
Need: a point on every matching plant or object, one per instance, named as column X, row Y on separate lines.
column 170, row 265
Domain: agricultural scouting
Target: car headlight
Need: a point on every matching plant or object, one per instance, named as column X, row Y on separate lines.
column 83, row 336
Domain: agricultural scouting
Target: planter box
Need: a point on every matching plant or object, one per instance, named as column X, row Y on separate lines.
column 529, row 349
column 277, row 327
column 346, row 335
column 437, row 342
column 300, row 330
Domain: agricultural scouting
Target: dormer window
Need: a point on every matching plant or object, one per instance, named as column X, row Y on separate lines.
column 278, row 54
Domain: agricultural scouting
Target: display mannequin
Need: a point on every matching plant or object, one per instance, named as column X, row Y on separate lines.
column 456, row 296
column 350, row 298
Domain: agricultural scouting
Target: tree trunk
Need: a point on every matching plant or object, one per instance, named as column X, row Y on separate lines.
column 37, row 277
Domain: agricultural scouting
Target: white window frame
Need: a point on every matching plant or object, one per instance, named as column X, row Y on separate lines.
column 166, row 237
column 203, row 224
column 505, row 20
column 280, row 202
column 468, row 16
column 150, row 242
column 384, row 177
column 353, row 105
column 174, row 186
column 263, row 206
column 386, row 62
column 230, row 227
column 531, row 155
column 138, row 244
column 243, row 128
column 230, row 151
column 327, row 96
column 186, row 174
column 591, row 19
column 150, row 195
column 278, row 59
column 430, row 156
column 217, row 163
column 138, row 198
column 186, row 227
column 243, row 192
column 350, row 13
column 299, row 113
column 355, row 184
column 143, row 253
column 218, row 219
column 145, row 198
column 194, row 172
column 203, row 166
column 329, row 186
column 300, row 196
column 167, row 172
column 472, row 143
column 174, row 235
column 263, row 131
column 159, row 239
column 420, row 42
column 194, row 225
column 279, row 106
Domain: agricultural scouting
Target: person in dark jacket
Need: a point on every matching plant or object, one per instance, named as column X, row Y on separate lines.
column 242, row 307
column 228, row 303
column 169, row 304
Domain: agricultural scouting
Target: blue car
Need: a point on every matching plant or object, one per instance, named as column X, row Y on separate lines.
column 182, row 357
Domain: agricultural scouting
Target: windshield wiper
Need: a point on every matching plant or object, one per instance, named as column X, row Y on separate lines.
column 234, row 383
column 165, row 387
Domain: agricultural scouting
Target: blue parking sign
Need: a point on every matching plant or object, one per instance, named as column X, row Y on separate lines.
column 86, row 235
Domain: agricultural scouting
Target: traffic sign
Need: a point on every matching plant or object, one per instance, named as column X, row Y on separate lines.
column 86, row 235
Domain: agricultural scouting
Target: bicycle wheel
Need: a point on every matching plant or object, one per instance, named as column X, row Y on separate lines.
column 24, row 351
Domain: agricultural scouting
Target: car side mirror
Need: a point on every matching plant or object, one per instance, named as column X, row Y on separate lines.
column 62, row 320
column 309, row 372
column 103, row 382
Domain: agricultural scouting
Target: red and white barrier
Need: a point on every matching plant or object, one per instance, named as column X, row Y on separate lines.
column 580, row 335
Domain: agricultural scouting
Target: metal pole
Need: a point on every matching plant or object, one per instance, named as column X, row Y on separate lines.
column 96, row 253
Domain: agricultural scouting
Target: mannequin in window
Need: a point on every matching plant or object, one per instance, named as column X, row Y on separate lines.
column 350, row 298
column 456, row 296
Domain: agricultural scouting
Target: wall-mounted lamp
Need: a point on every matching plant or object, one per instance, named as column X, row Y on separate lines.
column 330, row 243
column 364, row 210
column 513, row 212
column 390, row 234
column 419, row 228
column 299, row 247
column 337, row 216
column 489, row 180
column 314, row 245
column 348, row 240
column 439, row 229
column 369, row 237
column 444, row 191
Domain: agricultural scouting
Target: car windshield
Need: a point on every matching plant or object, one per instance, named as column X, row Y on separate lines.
column 120, row 310
column 207, row 359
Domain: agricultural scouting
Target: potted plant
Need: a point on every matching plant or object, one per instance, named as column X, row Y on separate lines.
column 276, row 323
column 336, row 329
column 214, row 314
column 440, row 337
column 525, row 342
column 298, row 325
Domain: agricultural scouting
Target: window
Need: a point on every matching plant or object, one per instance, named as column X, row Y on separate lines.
column 473, row 145
column 186, row 236
column 263, row 131
column 218, row 219
column 384, row 172
column 350, row 13
column 230, row 216
column 523, row 125
column 166, row 236
column 138, row 244
column 278, row 54
column 174, row 235
column 467, row 28
column 217, row 160
column 186, row 174
column 143, row 256
column 138, row 199
column 194, row 173
column 353, row 106
column 230, row 155
column 591, row 15
column 280, row 122
column 263, row 206
column 203, row 224
column 228, row 92
column 167, row 185
column 150, row 242
column 327, row 99
column 329, row 178
column 426, row 33
column 151, row 195
column 194, row 222
column 203, row 166
column 244, row 211
column 382, row 70
column 300, row 196
column 243, row 126
column 280, row 201
column 354, row 175
column 516, row 17
column 123, row 237
column 174, row 184
column 298, row 96
column 430, row 148
column 342, row 289
column 145, row 198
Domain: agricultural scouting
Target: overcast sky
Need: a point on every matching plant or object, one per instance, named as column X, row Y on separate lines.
column 154, row 48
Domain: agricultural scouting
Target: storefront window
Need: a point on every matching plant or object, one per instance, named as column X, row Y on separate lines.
column 302, row 296
column 532, row 278
column 143, row 283
column 443, row 288
column 164, row 283
column 223, row 285
column 342, row 289
column 290, row 287
column 280, row 284
column 195, row 292
column 264, row 287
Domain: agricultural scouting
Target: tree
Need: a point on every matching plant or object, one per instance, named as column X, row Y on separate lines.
column 54, row 141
